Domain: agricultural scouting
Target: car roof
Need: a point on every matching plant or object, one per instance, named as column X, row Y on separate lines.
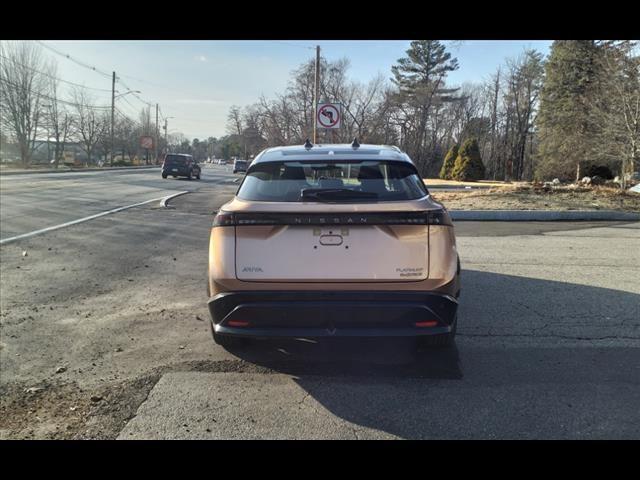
column 179, row 155
column 333, row 152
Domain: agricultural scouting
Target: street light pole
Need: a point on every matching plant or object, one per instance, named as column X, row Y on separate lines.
column 166, row 142
column 155, row 150
column 48, row 133
column 166, row 132
column 113, row 107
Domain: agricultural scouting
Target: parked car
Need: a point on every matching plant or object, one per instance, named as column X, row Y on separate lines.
column 240, row 166
column 333, row 240
column 180, row 165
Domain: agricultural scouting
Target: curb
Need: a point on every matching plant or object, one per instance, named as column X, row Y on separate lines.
column 164, row 201
column 541, row 215
column 79, row 170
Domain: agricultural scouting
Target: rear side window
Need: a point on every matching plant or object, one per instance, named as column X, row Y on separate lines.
column 336, row 181
column 176, row 160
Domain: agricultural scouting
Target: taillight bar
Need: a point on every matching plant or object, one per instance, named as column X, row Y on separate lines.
column 431, row 217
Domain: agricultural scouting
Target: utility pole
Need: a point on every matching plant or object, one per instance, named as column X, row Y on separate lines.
column 166, row 142
column 155, row 160
column 315, row 95
column 113, row 107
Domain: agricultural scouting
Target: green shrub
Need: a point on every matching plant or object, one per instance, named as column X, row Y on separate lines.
column 468, row 164
column 448, row 164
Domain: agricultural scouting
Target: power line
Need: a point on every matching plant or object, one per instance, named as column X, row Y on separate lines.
column 74, row 60
column 53, row 76
column 53, row 99
column 135, row 94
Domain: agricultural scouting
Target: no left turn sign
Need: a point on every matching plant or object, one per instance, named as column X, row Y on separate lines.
column 329, row 115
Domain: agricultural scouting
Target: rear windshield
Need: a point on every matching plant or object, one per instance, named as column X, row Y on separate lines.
column 176, row 160
column 336, row 181
column 240, row 163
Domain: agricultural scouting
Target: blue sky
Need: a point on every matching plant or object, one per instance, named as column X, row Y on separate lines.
column 197, row 81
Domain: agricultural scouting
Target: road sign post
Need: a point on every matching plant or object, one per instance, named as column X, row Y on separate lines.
column 146, row 142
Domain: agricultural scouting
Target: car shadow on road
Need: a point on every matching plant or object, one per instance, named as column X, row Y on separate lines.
column 525, row 366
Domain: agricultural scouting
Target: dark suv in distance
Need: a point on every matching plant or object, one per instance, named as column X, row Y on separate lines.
column 180, row 165
column 240, row 166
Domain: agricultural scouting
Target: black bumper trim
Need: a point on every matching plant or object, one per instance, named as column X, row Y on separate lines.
column 329, row 313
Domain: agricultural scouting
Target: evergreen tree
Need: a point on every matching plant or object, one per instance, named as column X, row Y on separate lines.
column 566, row 122
column 449, row 162
column 420, row 78
column 468, row 164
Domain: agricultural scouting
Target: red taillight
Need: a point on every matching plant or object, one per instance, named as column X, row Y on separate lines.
column 224, row 219
column 237, row 323
column 428, row 323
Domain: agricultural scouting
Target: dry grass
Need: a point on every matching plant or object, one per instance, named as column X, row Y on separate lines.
column 480, row 183
column 533, row 197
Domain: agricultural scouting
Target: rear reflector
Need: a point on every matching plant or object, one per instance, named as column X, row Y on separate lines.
column 430, row 323
column 237, row 323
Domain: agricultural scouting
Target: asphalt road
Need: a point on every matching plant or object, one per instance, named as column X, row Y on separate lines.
column 548, row 345
column 35, row 201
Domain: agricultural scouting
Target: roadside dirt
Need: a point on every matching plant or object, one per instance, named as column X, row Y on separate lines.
column 93, row 314
column 531, row 198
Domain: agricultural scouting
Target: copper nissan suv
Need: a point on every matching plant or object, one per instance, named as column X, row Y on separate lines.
column 333, row 240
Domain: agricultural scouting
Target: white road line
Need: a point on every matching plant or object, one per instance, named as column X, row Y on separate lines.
column 81, row 220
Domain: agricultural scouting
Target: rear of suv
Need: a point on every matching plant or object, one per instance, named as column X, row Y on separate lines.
column 239, row 166
column 333, row 240
column 180, row 165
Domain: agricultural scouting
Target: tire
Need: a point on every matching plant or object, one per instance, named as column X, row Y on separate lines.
column 439, row 341
column 164, row 175
column 198, row 177
column 175, row 176
column 190, row 177
column 225, row 340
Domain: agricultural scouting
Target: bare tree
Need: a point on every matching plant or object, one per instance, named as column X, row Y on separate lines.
column 59, row 121
column 234, row 120
column 618, row 108
column 91, row 123
column 22, row 85
column 523, row 84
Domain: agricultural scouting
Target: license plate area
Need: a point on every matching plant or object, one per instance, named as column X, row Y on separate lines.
column 363, row 253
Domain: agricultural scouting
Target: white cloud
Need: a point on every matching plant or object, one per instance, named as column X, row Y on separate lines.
column 202, row 58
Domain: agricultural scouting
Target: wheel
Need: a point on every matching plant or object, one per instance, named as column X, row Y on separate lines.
column 224, row 340
column 164, row 175
column 175, row 176
column 198, row 177
column 439, row 341
column 190, row 177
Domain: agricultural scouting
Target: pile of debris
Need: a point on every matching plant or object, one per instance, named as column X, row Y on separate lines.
column 588, row 182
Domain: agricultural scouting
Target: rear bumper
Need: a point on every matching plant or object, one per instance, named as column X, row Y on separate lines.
column 182, row 172
column 331, row 314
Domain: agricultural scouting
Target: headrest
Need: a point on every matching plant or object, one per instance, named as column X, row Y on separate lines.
column 370, row 173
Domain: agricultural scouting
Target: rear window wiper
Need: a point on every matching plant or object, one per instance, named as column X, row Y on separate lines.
column 328, row 194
